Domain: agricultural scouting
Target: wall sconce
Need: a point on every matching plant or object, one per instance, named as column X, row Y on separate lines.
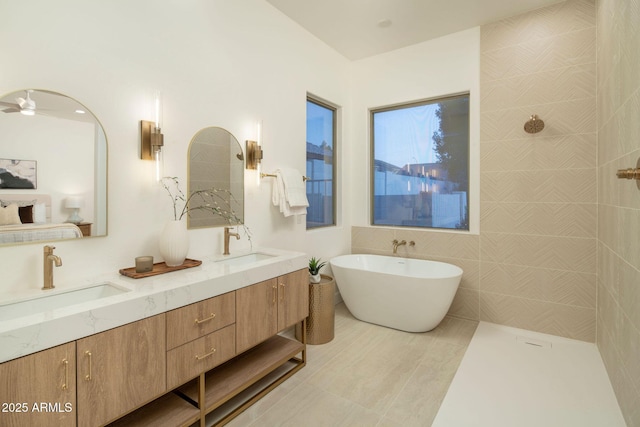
column 74, row 203
column 254, row 150
column 152, row 140
column 254, row 154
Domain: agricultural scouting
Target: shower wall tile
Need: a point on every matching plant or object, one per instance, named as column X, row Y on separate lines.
column 554, row 52
column 569, row 83
column 561, row 118
column 539, row 153
column 539, row 193
column 558, row 286
column 540, row 24
column 556, row 319
column 552, row 186
column 556, row 219
column 559, row 253
column 618, row 320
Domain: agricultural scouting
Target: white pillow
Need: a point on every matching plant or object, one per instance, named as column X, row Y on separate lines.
column 20, row 203
column 39, row 213
column 9, row 215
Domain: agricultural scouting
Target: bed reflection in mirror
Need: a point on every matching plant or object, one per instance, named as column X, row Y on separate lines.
column 52, row 149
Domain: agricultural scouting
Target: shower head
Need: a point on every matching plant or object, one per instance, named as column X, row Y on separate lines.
column 534, row 125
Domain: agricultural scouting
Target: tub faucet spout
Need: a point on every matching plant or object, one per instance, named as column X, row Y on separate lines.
column 396, row 244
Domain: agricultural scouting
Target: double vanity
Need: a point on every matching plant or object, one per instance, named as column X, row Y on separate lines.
column 191, row 347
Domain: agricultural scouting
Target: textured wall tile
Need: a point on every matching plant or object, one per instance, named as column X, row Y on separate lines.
column 570, row 83
column 557, row 319
column 574, row 48
column 629, row 291
column 373, row 238
column 561, row 253
column 558, row 286
column 553, row 186
column 466, row 304
column 552, row 219
column 539, row 24
column 562, row 118
column 441, row 244
column 540, row 153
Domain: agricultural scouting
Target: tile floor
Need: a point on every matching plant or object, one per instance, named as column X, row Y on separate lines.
column 367, row 376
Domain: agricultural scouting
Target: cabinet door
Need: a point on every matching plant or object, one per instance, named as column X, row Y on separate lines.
column 39, row 389
column 256, row 314
column 293, row 298
column 120, row 369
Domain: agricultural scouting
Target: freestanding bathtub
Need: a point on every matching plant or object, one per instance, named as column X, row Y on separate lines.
column 412, row 295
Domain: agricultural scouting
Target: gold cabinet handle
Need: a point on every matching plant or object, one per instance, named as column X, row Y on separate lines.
column 282, row 295
column 88, row 377
column 213, row 350
column 275, row 292
column 213, row 315
column 65, row 385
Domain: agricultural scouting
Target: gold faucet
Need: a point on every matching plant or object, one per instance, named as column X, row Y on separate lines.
column 227, row 236
column 396, row 244
column 49, row 260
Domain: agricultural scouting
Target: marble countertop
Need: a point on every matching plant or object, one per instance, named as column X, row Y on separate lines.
column 23, row 335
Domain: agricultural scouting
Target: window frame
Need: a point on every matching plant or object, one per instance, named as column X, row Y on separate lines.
column 334, row 170
column 410, row 104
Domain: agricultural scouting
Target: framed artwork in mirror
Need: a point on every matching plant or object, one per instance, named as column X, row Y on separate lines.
column 18, row 174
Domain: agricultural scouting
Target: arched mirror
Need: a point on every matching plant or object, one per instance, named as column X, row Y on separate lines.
column 53, row 167
column 216, row 179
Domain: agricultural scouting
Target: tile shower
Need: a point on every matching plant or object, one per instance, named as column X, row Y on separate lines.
column 557, row 251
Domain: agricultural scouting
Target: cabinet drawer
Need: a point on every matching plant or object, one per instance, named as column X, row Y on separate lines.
column 191, row 359
column 197, row 320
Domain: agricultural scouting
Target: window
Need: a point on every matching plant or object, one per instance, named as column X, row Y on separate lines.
column 321, row 136
column 420, row 167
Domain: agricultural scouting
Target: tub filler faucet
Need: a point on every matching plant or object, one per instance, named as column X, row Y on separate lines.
column 49, row 260
column 396, row 244
column 401, row 243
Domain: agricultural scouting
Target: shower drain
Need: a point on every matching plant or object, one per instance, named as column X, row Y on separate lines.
column 533, row 342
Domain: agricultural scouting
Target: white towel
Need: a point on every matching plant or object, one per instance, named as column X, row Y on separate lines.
column 289, row 192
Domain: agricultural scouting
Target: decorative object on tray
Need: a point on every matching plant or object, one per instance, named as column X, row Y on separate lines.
column 18, row 174
column 174, row 240
column 159, row 268
column 314, row 269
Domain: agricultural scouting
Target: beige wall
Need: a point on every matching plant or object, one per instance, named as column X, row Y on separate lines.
column 533, row 265
column 619, row 201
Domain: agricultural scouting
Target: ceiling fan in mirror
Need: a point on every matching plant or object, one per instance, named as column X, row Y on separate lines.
column 26, row 105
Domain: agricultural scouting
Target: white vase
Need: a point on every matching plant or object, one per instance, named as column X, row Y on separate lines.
column 174, row 243
column 314, row 278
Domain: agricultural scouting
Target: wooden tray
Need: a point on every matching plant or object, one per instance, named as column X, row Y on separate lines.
column 159, row 268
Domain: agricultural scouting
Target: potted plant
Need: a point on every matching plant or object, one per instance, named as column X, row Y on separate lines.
column 314, row 269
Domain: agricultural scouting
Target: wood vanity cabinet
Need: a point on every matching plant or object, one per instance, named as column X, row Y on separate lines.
column 200, row 336
column 268, row 307
column 39, row 389
column 120, row 370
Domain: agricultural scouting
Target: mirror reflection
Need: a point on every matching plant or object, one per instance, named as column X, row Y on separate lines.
column 53, row 169
column 215, row 162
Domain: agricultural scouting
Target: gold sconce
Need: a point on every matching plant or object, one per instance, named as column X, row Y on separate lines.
column 254, row 154
column 152, row 140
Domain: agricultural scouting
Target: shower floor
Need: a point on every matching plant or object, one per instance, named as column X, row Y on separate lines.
column 512, row 377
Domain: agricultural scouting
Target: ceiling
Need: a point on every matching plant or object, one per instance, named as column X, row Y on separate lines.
column 361, row 28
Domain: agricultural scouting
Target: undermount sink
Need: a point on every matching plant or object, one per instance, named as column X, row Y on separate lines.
column 245, row 259
column 60, row 299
